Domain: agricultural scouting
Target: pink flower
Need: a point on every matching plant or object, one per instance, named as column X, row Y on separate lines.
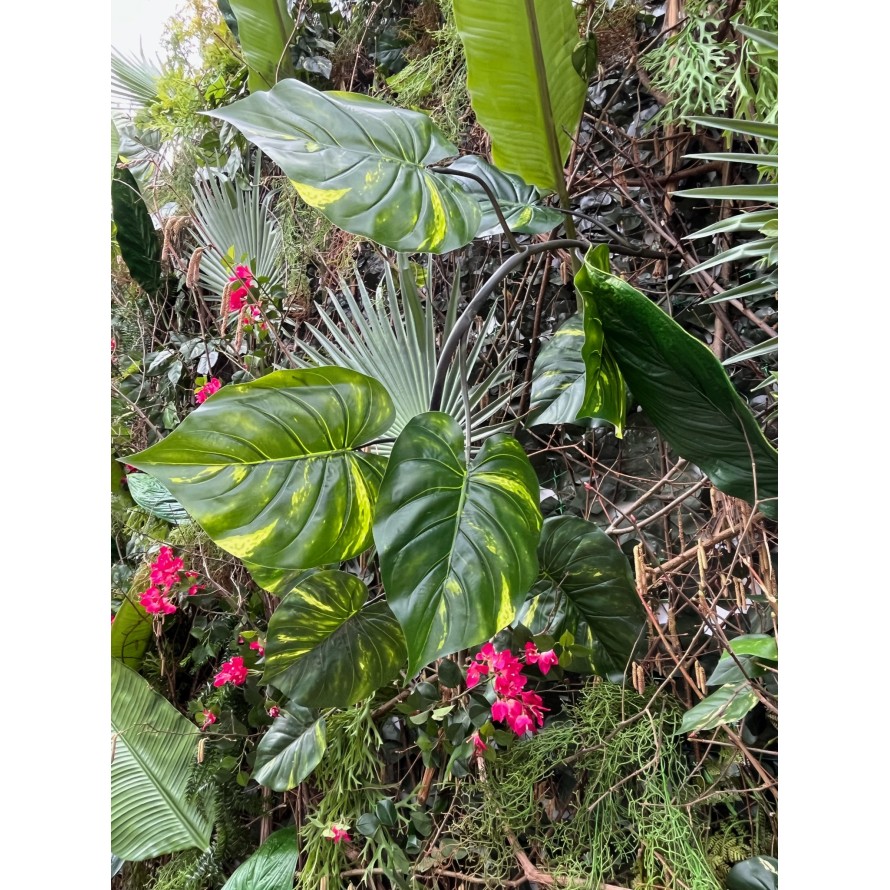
column 244, row 277
column 544, row 660
column 233, row 671
column 255, row 645
column 195, row 588
column 209, row 719
column 336, row 833
column 208, row 389
column 274, row 711
column 154, row 602
column 478, row 743
column 165, row 569
column 191, row 574
column 473, row 672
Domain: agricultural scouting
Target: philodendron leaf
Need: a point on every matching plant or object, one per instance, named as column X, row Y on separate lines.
column 586, row 588
column 269, row 468
column 750, row 650
column 131, row 631
column 291, row 748
column 511, row 85
column 729, row 703
column 362, row 163
column 153, row 749
column 136, row 235
column 519, row 201
column 271, row 867
column 326, row 648
column 265, row 28
column 457, row 544
column 684, row 390
column 152, row 496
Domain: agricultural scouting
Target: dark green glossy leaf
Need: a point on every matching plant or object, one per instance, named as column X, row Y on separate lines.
column 586, row 588
column 519, row 202
column 756, row 873
column 136, row 234
column 507, row 88
column 152, row 496
column 559, row 382
column 225, row 10
column 131, row 631
column 265, row 29
column 727, row 705
column 684, row 390
column 457, row 545
column 153, row 749
column 326, row 648
column 268, row 469
column 362, row 163
column 271, row 867
column 751, row 650
column 291, row 748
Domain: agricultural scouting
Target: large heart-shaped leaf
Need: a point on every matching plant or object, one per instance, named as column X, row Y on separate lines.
column 136, row 235
column 326, row 648
column 519, row 201
column 362, row 163
column 559, row 381
column 587, row 589
column 265, row 29
column 457, row 544
column 513, row 83
column 684, row 390
column 131, row 631
column 271, row 867
column 153, row 747
column 291, row 748
column 268, row 468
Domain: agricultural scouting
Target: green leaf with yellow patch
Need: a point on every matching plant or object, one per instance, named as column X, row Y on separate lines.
column 457, row 543
column 327, row 648
column 131, row 632
column 291, row 748
column 683, row 389
column 362, row 163
column 586, row 588
column 271, row 471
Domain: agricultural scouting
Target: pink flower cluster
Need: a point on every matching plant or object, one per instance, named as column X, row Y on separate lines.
column 522, row 710
column 207, row 390
column 337, row 833
column 209, row 719
column 244, row 277
column 233, row 671
column 165, row 576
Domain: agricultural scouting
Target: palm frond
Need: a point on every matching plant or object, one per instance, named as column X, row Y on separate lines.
column 134, row 81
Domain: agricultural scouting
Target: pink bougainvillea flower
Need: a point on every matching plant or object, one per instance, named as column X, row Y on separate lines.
column 155, row 602
column 274, row 711
column 337, row 833
column 191, row 574
column 255, row 645
column 478, row 743
column 233, row 671
column 166, row 568
column 208, row 389
column 209, row 719
column 547, row 660
column 195, row 588
column 473, row 673
column 244, row 278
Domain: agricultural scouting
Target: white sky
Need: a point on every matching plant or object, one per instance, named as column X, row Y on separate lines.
column 132, row 20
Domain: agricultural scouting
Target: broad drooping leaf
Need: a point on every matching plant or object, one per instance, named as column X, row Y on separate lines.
column 152, row 496
column 362, row 163
column 265, row 29
column 727, row 705
column 271, row 867
column 511, row 85
column 587, row 589
column 457, row 544
column 756, row 873
column 136, row 234
column 750, row 651
column 519, row 201
column 684, row 390
column 326, row 648
column 269, row 471
column 131, row 631
column 291, row 748
column 153, row 748
column 559, row 382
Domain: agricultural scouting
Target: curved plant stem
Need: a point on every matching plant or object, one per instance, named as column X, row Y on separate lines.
column 462, row 325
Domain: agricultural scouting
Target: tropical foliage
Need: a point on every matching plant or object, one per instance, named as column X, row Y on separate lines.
column 444, row 527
